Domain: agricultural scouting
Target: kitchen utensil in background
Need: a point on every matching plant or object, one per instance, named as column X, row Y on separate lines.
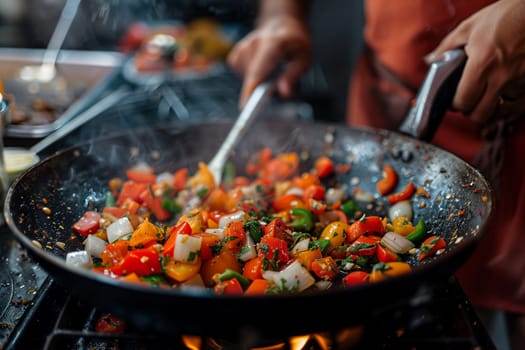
column 45, row 75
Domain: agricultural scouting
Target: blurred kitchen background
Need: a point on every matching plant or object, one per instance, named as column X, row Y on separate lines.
column 336, row 27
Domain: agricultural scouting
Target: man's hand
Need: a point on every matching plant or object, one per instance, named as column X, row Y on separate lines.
column 493, row 82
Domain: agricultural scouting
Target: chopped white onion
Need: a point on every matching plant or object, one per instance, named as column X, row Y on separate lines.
column 362, row 196
column 397, row 243
column 79, row 258
column 194, row 282
column 219, row 232
column 119, row 229
column 95, row 246
column 142, row 167
column 187, row 248
column 227, row 219
column 293, row 278
column 248, row 251
column 335, row 194
column 403, row 208
column 301, row 246
column 295, row 191
column 165, row 177
column 251, row 192
column 323, row 285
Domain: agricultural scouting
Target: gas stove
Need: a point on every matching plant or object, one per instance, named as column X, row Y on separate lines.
column 38, row 313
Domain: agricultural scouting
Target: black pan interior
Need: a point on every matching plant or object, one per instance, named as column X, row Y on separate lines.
column 75, row 180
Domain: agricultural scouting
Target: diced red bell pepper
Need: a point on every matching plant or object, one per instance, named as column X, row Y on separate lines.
column 115, row 252
column 367, row 224
column 180, row 178
column 431, row 245
column 274, row 252
column 258, row 160
column 364, row 245
column 316, row 192
column 287, row 202
column 235, row 236
column 315, row 206
column 405, row 193
column 325, row 268
column 208, row 242
column 110, row 324
column 115, row 212
column 141, row 176
column 131, row 190
column 229, row 287
column 355, row 278
column 154, row 204
column 88, row 223
column 388, row 182
column 143, row 262
column 277, row 228
column 253, row 268
column 385, row 255
column 324, row 166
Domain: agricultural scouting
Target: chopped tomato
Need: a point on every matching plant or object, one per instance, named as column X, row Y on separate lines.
column 235, row 236
column 274, row 252
column 88, row 223
column 388, row 182
column 324, row 167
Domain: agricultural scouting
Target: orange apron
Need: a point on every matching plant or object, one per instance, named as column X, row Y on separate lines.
column 397, row 35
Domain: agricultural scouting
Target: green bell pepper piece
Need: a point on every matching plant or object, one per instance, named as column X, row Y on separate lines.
column 304, row 221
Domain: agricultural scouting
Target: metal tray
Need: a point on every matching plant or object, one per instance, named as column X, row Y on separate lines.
column 86, row 69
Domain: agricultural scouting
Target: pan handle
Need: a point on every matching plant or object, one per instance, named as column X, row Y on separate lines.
column 435, row 96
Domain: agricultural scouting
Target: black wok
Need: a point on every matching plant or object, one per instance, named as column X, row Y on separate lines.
column 75, row 180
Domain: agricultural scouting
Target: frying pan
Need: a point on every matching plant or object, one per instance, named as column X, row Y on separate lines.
column 75, row 180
